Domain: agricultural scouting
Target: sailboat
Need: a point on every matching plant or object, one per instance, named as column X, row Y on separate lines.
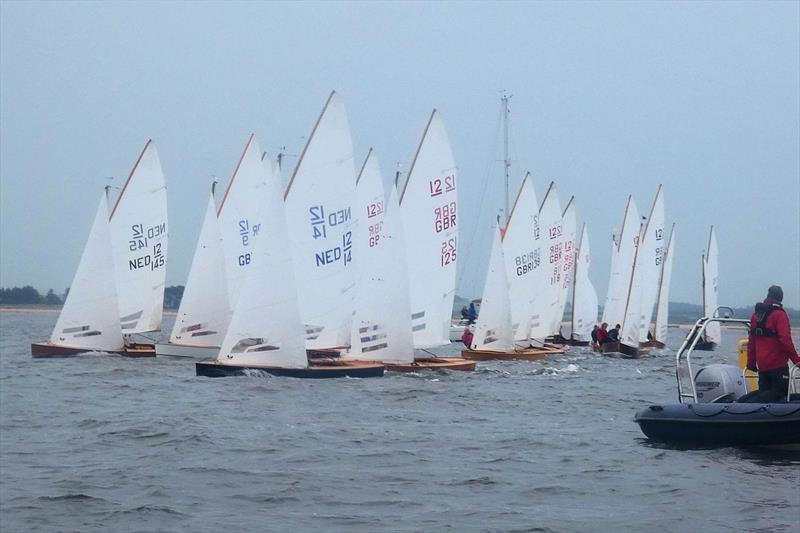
column 659, row 339
column 513, row 293
column 138, row 224
column 642, row 285
column 89, row 320
column 428, row 205
column 222, row 257
column 266, row 334
column 584, row 297
column 710, row 263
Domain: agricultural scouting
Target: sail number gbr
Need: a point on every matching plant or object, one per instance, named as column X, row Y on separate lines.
column 528, row 262
column 445, row 217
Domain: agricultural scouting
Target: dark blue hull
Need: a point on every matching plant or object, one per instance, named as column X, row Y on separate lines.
column 717, row 424
column 342, row 370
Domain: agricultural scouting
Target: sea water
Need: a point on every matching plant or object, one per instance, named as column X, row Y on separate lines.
column 105, row 443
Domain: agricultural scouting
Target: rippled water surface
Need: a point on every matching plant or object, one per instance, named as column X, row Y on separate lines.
column 103, row 443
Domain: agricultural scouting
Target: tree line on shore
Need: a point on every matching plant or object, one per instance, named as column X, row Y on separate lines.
column 679, row 312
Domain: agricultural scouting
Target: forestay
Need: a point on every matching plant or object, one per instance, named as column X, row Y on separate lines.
column 319, row 210
column 381, row 329
column 623, row 254
column 239, row 215
column 584, row 297
column 204, row 311
column 549, row 279
column 265, row 328
column 648, row 263
column 139, row 241
column 493, row 330
column 89, row 318
column 522, row 254
column 710, row 275
column 662, row 307
column 428, row 204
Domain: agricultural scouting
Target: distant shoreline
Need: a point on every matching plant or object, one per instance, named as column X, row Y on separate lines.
column 45, row 308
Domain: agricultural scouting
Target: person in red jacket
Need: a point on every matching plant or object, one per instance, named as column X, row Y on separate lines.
column 466, row 338
column 770, row 346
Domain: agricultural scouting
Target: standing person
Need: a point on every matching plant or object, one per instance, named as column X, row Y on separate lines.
column 770, row 347
column 472, row 314
column 466, row 338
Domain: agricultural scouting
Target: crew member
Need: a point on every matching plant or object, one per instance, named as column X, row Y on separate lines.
column 595, row 329
column 466, row 338
column 472, row 314
column 602, row 333
column 770, row 347
column 613, row 335
column 464, row 312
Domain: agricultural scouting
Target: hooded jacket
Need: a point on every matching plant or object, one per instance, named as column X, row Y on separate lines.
column 771, row 353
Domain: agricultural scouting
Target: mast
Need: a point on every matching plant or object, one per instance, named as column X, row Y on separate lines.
column 506, row 160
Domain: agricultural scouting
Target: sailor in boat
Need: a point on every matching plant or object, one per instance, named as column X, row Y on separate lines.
column 595, row 331
column 770, row 347
column 472, row 314
column 602, row 335
column 613, row 335
column 466, row 337
column 464, row 313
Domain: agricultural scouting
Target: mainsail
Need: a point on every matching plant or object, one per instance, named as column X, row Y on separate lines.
column 648, row 263
column 139, row 240
column 549, row 281
column 493, row 330
column 522, row 253
column 89, row 318
column 584, row 297
column 570, row 227
column 428, row 204
column 623, row 254
column 265, row 328
column 710, row 276
column 204, row 311
column 662, row 307
column 382, row 320
column 319, row 210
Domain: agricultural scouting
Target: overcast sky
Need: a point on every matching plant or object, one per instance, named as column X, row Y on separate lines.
column 609, row 99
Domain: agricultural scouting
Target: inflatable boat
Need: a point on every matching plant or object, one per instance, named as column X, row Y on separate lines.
column 716, row 409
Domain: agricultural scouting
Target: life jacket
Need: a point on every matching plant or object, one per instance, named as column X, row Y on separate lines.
column 762, row 311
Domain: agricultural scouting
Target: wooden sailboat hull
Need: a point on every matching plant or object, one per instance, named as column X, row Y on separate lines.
column 652, row 344
column 527, row 354
column 623, row 350
column 433, row 363
column 41, row 350
column 317, row 370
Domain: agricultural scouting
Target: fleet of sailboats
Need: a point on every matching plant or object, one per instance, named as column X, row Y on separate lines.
column 367, row 275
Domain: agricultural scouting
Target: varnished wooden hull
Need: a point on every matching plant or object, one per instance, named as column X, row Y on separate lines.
column 433, row 363
column 316, row 370
column 528, row 354
column 652, row 344
column 41, row 350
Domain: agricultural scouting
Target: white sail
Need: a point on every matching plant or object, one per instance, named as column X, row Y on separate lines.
column 204, row 311
column 493, row 329
column 568, row 236
column 648, row 263
column 428, row 203
column 623, row 254
column 381, row 329
column 549, row 282
column 319, row 209
column 89, row 318
column 584, row 298
column 662, row 307
column 265, row 328
column 710, row 276
column 139, row 241
column 522, row 253
column 239, row 215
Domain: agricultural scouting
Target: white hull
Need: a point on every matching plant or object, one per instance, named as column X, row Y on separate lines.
column 181, row 350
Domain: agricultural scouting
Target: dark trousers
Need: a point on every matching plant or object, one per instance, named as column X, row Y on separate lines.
column 773, row 385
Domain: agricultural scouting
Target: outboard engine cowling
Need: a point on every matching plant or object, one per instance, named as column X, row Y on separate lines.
column 719, row 382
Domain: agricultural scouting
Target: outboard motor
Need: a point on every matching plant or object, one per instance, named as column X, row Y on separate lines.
column 719, row 383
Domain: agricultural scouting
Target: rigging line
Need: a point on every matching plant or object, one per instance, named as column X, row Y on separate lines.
column 471, row 240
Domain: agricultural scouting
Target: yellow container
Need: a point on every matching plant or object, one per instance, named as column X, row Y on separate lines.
column 752, row 377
